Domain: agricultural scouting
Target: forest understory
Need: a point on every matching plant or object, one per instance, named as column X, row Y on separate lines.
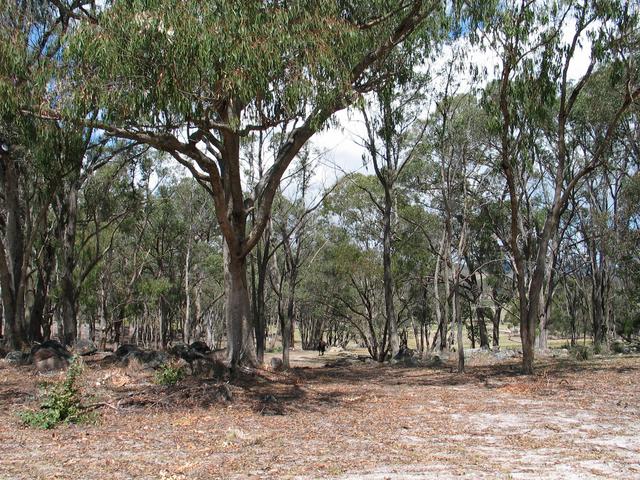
column 362, row 421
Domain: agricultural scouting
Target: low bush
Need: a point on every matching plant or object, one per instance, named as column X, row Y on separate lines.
column 169, row 375
column 60, row 403
column 619, row 347
column 582, row 353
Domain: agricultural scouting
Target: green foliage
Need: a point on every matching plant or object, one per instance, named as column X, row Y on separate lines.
column 618, row 347
column 60, row 404
column 582, row 353
column 169, row 375
column 178, row 55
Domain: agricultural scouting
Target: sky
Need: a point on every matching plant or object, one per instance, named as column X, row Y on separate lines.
column 343, row 152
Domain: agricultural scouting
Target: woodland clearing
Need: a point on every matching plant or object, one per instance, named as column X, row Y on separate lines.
column 365, row 421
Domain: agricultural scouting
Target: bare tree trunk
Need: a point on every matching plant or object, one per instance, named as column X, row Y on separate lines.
column 457, row 314
column 41, row 293
column 68, row 211
column 388, row 276
column 240, row 341
column 12, row 278
column 187, row 325
column 440, row 320
column 482, row 327
column 496, row 326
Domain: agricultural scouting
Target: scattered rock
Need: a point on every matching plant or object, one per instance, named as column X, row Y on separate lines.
column 54, row 345
column 276, row 364
column 343, row 362
column 125, row 349
column 84, row 347
column 179, row 349
column 562, row 353
column 404, row 353
column 200, row 347
column 505, row 354
column 144, row 360
column 209, row 367
column 223, row 393
column 270, row 405
column 434, row 361
column 48, row 359
column 110, row 360
column 410, row 362
column 16, row 358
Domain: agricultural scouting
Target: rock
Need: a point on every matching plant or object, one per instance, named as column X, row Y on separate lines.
column 434, row 361
column 16, row 358
column 404, row 353
column 125, row 349
column 110, row 360
column 505, row 354
column 200, row 347
column 410, row 362
column 84, row 346
column 270, row 405
column 209, row 367
column 335, row 349
column 224, row 393
column 48, row 359
column 180, row 363
column 179, row 349
column 144, row 360
column 276, row 364
column 60, row 349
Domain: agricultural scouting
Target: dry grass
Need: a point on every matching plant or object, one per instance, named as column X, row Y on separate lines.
column 365, row 421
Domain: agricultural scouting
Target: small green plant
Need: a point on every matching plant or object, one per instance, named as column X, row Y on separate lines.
column 169, row 375
column 582, row 353
column 618, row 347
column 60, row 403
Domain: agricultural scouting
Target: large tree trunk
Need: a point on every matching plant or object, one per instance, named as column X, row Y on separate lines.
column 12, row 271
column 40, row 294
column 240, row 339
column 496, row 326
column 482, row 328
column 68, row 217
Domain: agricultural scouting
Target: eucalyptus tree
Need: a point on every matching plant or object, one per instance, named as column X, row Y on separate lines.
column 537, row 47
column 33, row 36
column 30, row 33
column 193, row 78
column 357, row 294
column 390, row 142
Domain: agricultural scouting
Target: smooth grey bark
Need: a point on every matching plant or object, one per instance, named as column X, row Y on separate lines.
column 457, row 314
column 497, row 314
column 240, row 337
column 68, row 211
column 12, row 256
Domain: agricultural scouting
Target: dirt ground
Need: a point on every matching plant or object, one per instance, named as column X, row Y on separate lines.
column 364, row 421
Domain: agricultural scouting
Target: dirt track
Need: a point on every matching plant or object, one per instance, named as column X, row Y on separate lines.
column 570, row 420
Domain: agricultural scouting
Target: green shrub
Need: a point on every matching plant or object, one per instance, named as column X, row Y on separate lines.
column 582, row 352
column 60, row 403
column 169, row 375
column 618, row 347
